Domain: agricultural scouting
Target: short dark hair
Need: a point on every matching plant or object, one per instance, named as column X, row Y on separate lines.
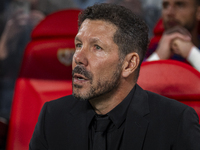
column 132, row 32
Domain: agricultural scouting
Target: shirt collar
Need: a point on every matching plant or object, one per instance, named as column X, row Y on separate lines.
column 117, row 115
column 90, row 113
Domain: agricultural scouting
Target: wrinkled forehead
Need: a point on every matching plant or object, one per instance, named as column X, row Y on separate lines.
column 97, row 27
column 106, row 22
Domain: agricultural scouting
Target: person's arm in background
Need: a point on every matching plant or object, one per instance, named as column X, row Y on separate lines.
column 14, row 27
column 164, row 50
column 177, row 41
column 188, row 51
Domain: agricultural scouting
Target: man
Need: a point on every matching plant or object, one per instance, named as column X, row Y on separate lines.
column 181, row 40
column 108, row 110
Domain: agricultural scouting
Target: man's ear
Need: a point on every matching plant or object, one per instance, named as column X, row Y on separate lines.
column 130, row 64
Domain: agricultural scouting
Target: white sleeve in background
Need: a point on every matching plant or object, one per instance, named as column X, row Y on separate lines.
column 194, row 58
column 153, row 57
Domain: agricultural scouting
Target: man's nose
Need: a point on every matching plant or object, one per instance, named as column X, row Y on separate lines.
column 170, row 11
column 80, row 57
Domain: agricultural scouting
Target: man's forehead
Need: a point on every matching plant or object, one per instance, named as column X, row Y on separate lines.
column 96, row 31
column 97, row 26
column 97, row 22
column 92, row 40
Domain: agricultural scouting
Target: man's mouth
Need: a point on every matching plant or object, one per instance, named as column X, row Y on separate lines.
column 172, row 23
column 79, row 77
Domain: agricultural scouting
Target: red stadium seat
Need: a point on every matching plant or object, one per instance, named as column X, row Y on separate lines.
column 172, row 79
column 45, row 74
column 158, row 31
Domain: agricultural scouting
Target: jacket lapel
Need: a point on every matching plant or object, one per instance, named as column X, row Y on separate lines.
column 78, row 133
column 135, row 127
column 136, row 123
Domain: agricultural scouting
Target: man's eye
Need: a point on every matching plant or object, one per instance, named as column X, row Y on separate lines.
column 98, row 47
column 78, row 45
column 165, row 5
column 180, row 4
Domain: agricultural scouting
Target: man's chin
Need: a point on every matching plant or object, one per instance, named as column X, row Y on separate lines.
column 76, row 86
column 168, row 25
column 78, row 97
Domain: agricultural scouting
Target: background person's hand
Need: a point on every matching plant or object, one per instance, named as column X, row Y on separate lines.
column 182, row 47
column 165, row 49
column 35, row 17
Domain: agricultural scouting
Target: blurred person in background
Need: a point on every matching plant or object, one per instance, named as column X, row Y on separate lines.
column 180, row 40
column 151, row 13
column 21, row 17
column 149, row 10
column 82, row 4
column 18, row 18
column 50, row 6
column 134, row 5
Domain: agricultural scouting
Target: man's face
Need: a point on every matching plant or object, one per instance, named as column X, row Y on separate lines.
column 96, row 66
column 179, row 12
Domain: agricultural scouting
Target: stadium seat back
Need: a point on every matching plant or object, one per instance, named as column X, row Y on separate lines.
column 172, row 79
column 45, row 74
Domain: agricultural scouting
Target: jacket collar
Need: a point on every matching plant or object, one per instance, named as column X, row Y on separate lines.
column 136, row 121
column 135, row 126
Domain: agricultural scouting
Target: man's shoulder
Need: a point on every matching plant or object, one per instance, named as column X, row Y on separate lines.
column 63, row 103
column 162, row 103
column 157, row 100
column 64, row 99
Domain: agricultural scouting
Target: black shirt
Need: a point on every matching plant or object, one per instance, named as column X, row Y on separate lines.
column 116, row 129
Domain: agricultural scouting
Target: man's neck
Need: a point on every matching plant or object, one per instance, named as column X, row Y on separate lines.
column 104, row 104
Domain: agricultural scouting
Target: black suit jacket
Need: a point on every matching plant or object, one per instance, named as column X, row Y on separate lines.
column 153, row 122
